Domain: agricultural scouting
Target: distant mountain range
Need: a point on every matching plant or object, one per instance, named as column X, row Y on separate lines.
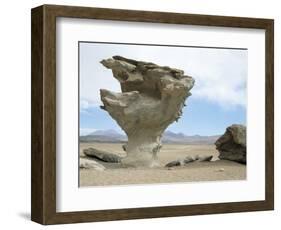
column 111, row 136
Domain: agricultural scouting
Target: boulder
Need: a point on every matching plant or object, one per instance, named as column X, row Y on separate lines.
column 206, row 158
column 174, row 163
column 189, row 159
column 102, row 155
column 90, row 164
column 232, row 144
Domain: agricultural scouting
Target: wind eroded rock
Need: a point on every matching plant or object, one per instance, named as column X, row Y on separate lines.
column 152, row 98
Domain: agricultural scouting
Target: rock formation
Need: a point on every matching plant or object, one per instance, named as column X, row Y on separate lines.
column 152, row 98
column 232, row 144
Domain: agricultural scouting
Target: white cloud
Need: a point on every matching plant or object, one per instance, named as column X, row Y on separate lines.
column 220, row 74
column 84, row 104
column 221, row 77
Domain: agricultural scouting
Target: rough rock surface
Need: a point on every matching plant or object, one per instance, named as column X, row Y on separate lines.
column 90, row 164
column 102, row 155
column 232, row 144
column 152, row 98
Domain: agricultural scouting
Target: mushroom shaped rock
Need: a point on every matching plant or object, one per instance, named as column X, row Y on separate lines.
column 152, row 98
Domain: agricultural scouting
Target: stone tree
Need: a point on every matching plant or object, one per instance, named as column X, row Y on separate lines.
column 152, row 98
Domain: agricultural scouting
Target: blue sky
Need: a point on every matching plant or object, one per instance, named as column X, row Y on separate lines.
column 218, row 96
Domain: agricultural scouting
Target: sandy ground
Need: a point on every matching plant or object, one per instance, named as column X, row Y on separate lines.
column 193, row 172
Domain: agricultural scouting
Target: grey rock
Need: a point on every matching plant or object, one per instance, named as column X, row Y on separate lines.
column 204, row 158
column 219, row 170
column 124, row 147
column 232, row 144
column 90, row 164
column 173, row 163
column 102, row 155
column 188, row 159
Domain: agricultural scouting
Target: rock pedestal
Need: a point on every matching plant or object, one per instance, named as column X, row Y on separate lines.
column 152, row 98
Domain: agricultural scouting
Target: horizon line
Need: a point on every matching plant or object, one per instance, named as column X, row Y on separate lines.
column 185, row 134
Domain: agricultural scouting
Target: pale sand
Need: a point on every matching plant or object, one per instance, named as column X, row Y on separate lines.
column 193, row 172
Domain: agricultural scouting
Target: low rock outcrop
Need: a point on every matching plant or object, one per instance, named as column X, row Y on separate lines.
column 232, row 144
column 91, row 164
column 102, row 155
column 189, row 159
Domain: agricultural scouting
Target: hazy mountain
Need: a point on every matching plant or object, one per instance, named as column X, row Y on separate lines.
column 109, row 132
column 170, row 137
column 112, row 136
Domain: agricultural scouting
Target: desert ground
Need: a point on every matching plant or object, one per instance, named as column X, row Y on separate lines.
column 193, row 172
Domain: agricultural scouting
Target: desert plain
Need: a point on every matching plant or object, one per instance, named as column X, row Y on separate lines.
column 114, row 174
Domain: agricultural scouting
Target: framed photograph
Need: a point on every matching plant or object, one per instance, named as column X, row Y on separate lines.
column 139, row 114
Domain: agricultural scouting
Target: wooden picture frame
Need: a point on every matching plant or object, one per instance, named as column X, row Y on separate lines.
column 43, row 170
